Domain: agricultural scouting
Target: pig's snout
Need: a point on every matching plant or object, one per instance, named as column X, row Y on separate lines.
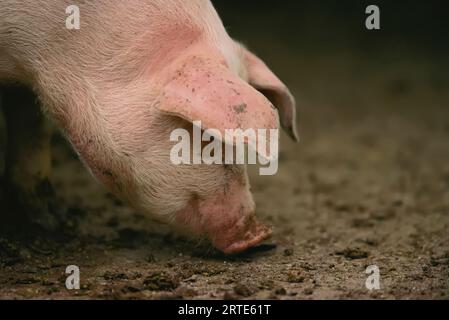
column 247, row 233
column 227, row 219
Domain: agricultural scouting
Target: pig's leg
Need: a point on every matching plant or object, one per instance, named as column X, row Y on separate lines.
column 28, row 158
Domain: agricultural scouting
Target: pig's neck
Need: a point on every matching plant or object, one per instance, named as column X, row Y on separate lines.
column 113, row 35
column 80, row 114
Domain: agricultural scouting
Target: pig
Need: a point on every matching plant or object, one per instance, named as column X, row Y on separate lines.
column 117, row 87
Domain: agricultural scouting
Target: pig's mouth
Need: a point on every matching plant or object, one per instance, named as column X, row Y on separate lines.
column 242, row 237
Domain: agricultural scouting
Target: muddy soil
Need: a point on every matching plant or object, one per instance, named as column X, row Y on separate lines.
column 367, row 185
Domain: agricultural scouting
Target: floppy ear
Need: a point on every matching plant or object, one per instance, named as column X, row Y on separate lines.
column 201, row 87
column 265, row 81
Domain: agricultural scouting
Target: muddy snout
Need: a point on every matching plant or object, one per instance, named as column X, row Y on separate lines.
column 248, row 232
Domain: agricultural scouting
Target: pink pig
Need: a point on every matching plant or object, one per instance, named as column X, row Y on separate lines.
column 135, row 71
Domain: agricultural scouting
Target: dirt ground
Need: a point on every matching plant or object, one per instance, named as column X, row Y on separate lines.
column 367, row 185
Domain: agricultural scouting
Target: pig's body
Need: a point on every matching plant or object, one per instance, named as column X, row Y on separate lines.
column 133, row 73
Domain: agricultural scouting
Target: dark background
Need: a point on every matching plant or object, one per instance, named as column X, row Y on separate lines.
column 420, row 25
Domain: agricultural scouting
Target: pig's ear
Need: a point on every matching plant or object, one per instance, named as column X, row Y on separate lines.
column 203, row 88
column 264, row 80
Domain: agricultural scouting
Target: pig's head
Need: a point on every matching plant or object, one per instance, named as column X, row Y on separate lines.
column 208, row 201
